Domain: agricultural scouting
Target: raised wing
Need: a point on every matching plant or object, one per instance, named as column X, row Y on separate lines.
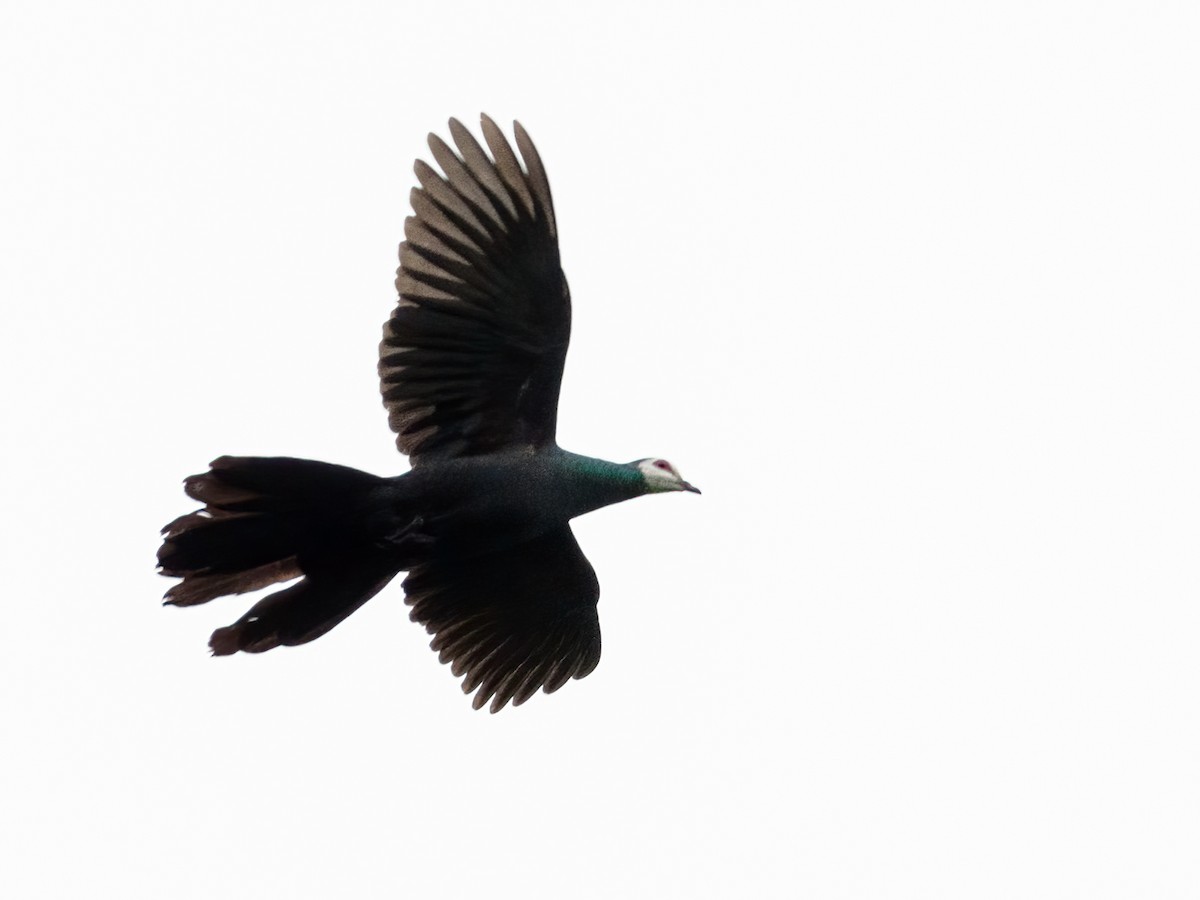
column 512, row 621
column 472, row 357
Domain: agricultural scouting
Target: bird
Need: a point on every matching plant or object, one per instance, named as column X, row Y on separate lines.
column 470, row 366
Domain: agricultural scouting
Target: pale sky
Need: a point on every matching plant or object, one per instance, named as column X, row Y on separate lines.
column 909, row 290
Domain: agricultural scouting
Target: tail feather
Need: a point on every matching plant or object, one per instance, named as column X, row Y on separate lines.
column 198, row 589
column 276, row 482
column 231, row 544
column 269, row 520
column 304, row 611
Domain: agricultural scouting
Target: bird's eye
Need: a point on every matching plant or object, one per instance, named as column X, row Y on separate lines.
column 663, row 464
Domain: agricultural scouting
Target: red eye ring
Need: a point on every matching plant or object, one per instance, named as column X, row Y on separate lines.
column 662, row 464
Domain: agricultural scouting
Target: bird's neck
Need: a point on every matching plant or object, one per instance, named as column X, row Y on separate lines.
column 593, row 483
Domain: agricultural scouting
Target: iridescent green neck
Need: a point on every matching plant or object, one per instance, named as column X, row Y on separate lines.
column 593, row 483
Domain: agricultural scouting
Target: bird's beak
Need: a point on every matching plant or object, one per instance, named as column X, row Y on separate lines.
column 689, row 487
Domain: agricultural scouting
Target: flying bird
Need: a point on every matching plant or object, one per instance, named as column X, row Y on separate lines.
column 470, row 366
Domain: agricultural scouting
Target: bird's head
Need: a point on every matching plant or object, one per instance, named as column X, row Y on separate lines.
column 661, row 476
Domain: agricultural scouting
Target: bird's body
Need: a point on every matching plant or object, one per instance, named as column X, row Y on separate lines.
column 488, row 502
column 470, row 366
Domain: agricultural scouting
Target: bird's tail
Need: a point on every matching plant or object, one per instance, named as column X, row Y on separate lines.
column 268, row 520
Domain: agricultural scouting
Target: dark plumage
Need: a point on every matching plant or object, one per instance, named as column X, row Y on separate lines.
column 470, row 367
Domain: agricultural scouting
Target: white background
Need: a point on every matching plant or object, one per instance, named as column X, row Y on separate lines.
column 910, row 290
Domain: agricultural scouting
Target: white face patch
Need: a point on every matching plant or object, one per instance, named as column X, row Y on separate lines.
column 660, row 476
